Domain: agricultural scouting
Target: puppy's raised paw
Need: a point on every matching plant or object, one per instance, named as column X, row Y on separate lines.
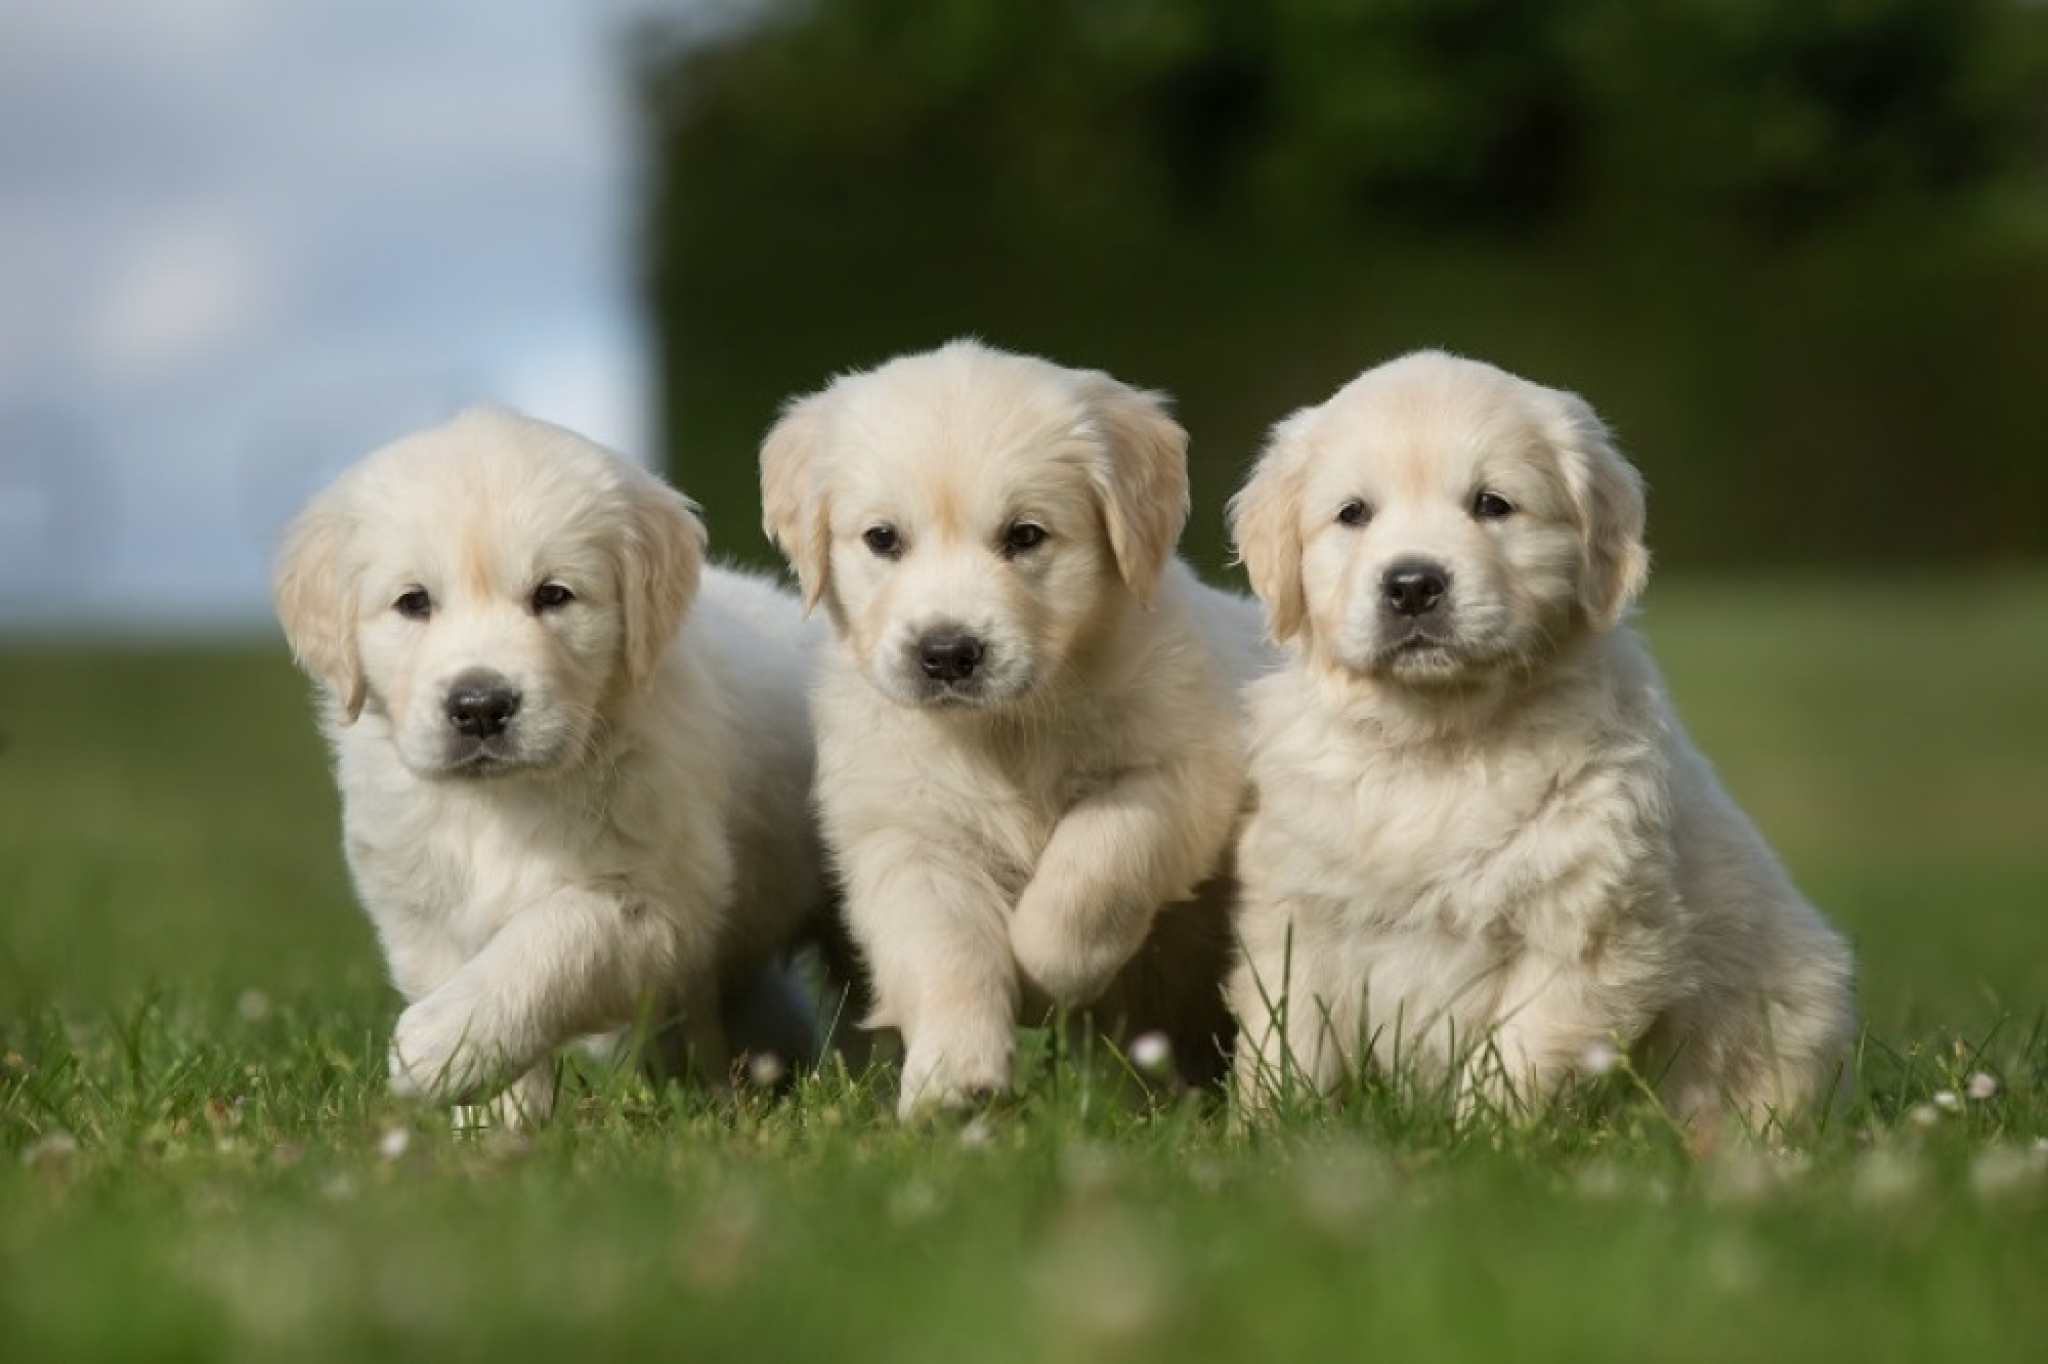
column 437, row 1053
column 1069, row 968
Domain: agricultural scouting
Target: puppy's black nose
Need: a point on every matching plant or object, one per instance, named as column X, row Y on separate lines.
column 1413, row 587
column 949, row 657
column 481, row 704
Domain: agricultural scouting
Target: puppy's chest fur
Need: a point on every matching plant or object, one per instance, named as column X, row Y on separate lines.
column 1011, row 784
column 441, row 866
column 992, row 787
column 1542, row 831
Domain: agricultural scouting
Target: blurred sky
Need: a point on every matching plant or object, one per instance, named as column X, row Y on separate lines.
column 243, row 242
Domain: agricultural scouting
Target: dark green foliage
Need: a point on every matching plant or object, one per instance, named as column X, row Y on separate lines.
column 1796, row 252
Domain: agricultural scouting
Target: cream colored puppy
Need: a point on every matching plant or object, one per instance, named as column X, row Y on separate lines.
column 1481, row 836
column 573, row 761
column 1028, row 739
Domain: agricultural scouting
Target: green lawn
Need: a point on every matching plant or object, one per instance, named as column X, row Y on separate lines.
column 197, row 1159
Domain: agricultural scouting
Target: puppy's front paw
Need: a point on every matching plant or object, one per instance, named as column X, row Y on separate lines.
column 935, row 1081
column 1071, row 969
column 525, row 1103
column 436, row 1054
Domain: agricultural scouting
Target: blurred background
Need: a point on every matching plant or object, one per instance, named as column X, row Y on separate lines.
column 1796, row 253
column 243, row 243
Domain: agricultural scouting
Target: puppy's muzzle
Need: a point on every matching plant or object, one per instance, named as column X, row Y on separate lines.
column 1413, row 589
column 481, row 704
column 948, row 655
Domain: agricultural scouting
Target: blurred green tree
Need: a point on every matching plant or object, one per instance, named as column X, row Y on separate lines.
column 1798, row 254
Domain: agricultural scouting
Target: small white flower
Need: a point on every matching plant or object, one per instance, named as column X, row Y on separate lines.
column 2000, row 1174
column 1947, row 1100
column 253, row 1005
column 1152, row 1054
column 1599, row 1059
column 1341, row 1185
column 1105, row 1282
column 1750, row 1175
column 915, row 1202
column 1601, row 1179
column 391, row 1145
column 1086, row 1169
column 1981, row 1086
column 1887, row 1178
column 765, row 1069
column 1923, row 1115
column 56, row 1147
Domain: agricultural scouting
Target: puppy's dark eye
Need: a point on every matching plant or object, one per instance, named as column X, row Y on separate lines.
column 1022, row 537
column 414, row 604
column 551, row 597
column 1489, row 505
column 1353, row 513
column 883, row 540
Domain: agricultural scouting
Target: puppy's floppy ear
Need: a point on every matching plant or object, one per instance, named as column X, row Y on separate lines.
column 1265, row 527
column 792, row 499
column 313, row 588
column 661, row 561
column 1141, row 480
column 1607, row 495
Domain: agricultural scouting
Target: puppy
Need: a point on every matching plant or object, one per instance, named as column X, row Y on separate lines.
column 1482, row 839
column 574, row 761
column 1029, row 745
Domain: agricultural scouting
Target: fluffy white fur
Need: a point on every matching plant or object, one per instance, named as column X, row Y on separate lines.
column 1009, row 824
column 1482, row 838
column 631, row 840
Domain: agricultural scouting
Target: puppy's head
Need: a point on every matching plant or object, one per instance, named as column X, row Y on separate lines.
column 1439, row 520
column 972, row 518
column 487, row 587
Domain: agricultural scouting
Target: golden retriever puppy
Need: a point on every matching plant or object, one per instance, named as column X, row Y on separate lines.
column 574, row 762
column 1481, row 838
column 1030, row 753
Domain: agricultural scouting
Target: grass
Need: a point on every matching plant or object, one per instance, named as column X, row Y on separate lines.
column 197, row 1158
